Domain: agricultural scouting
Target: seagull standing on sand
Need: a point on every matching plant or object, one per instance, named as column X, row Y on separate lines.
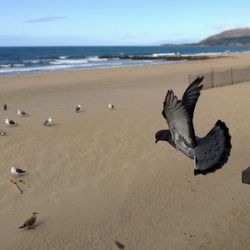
column 2, row 133
column 17, row 171
column 48, row 122
column 10, row 123
column 210, row 152
column 30, row 221
column 21, row 113
column 111, row 106
column 78, row 108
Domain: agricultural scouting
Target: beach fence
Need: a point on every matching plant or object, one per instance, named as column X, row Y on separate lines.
column 217, row 78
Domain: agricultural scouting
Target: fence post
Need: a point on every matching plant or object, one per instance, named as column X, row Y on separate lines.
column 232, row 79
column 212, row 77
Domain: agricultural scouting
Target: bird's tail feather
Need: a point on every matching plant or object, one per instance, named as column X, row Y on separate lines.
column 213, row 150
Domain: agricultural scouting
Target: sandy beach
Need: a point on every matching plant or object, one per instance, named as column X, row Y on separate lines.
column 98, row 177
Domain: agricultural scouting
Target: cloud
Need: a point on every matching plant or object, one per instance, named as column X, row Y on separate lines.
column 46, row 19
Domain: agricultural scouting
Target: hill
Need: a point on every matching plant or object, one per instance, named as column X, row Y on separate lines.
column 229, row 37
column 234, row 37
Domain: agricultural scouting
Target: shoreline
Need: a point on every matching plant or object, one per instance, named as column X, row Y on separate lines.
column 170, row 62
column 65, row 63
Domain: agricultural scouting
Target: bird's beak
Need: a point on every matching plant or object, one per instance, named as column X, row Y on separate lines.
column 156, row 140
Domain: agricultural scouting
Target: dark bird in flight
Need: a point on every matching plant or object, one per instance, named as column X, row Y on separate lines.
column 210, row 152
column 30, row 221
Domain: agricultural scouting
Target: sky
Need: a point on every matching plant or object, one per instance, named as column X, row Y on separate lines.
column 117, row 22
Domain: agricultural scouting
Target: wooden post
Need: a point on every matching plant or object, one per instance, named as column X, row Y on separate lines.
column 232, row 79
column 212, row 77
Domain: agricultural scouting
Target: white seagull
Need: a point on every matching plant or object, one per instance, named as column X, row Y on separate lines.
column 10, row 123
column 2, row 133
column 17, row 171
column 48, row 122
column 78, row 108
column 21, row 113
column 111, row 106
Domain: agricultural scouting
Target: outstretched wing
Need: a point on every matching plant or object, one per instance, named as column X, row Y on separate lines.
column 213, row 150
column 191, row 95
column 179, row 122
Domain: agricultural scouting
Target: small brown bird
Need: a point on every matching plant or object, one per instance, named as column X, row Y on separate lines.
column 30, row 221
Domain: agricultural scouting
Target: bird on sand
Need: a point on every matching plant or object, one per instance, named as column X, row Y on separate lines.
column 78, row 108
column 17, row 171
column 2, row 133
column 48, row 122
column 210, row 152
column 10, row 123
column 29, row 223
column 111, row 106
column 21, row 113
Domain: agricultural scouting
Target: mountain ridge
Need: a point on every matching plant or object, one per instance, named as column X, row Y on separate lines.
column 232, row 37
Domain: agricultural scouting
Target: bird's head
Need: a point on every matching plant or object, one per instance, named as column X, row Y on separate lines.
column 79, row 105
column 50, row 119
column 163, row 135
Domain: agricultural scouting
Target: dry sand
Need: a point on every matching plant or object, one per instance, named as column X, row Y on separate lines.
column 97, row 176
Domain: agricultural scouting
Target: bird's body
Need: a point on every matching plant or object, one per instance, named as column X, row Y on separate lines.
column 10, row 123
column 29, row 223
column 210, row 152
column 78, row 108
column 2, row 133
column 48, row 122
column 17, row 171
column 111, row 106
column 21, row 113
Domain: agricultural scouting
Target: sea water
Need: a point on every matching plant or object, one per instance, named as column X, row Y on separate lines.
column 23, row 60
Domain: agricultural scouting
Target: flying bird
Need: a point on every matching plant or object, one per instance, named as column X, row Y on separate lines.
column 30, row 221
column 21, row 113
column 78, row 108
column 111, row 106
column 17, row 171
column 10, row 123
column 48, row 122
column 210, row 152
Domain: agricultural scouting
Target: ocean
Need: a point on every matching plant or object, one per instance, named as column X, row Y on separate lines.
column 24, row 60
